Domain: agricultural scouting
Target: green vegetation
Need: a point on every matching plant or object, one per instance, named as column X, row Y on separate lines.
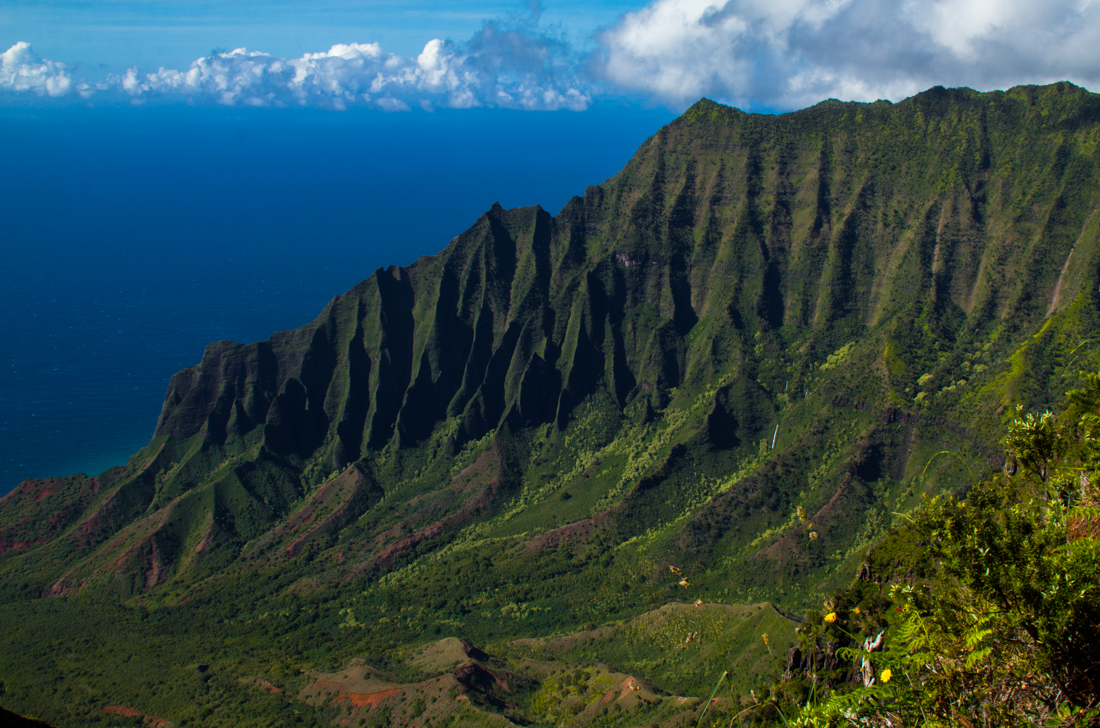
column 748, row 356
column 991, row 615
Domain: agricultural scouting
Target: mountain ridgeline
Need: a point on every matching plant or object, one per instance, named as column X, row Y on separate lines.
column 758, row 313
column 825, row 225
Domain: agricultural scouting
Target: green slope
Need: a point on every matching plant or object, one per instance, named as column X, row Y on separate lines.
column 518, row 437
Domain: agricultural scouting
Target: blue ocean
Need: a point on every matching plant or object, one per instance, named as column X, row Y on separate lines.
column 134, row 236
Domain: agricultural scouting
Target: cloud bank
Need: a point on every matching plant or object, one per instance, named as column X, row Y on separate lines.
column 790, row 53
column 510, row 64
column 771, row 54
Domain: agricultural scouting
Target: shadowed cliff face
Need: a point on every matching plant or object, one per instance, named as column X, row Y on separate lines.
column 962, row 208
column 842, row 284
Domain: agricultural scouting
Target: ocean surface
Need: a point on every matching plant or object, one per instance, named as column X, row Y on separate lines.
column 133, row 237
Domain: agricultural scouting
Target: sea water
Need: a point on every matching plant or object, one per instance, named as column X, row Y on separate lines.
column 133, row 237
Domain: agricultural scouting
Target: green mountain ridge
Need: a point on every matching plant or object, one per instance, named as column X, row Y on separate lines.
column 518, row 436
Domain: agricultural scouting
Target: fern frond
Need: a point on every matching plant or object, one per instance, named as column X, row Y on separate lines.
column 977, row 637
column 1084, row 548
column 978, row 656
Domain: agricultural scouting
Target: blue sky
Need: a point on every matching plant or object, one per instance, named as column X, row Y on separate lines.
column 557, row 54
column 151, row 33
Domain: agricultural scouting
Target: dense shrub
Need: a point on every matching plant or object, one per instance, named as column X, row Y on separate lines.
column 1001, row 625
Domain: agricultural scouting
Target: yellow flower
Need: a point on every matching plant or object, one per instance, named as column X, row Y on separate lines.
column 813, row 535
column 683, row 582
column 675, row 571
column 830, row 617
column 766, row 639
column 856, row 611
column 885, row 676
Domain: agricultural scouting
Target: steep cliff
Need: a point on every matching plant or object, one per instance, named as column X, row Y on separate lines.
column 757, row 313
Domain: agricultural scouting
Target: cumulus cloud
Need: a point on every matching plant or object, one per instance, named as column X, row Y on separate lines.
column 21, row 69
column 772, row 54
column 791, row 53
column 508, row 63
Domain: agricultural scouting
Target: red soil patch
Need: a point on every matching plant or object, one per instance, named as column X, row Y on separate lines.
column 577, row 531
column 204, row 542
column 481, row 478
column 125, row 712
column 262, row 684
column 620, row 691
column 6, row 546
column 344, row 486
column 789, row 543
column 367, row 700
column 477, row 466
column 386, row 557
column 61, row 587
column 43, row 493
column 155, row 571
column 93, row 524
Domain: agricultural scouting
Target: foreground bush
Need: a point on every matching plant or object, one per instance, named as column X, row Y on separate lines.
column 999, row 621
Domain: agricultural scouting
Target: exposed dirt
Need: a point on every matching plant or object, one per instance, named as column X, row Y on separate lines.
column 325, row 509
column 577, row 531
column 367, row 700
column 149, row 720
column 481, row 480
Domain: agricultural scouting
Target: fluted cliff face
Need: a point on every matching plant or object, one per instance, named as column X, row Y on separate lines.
column 801, row 301
column 962, row 206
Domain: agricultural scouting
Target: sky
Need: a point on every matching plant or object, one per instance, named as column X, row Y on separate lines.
column 768, row 55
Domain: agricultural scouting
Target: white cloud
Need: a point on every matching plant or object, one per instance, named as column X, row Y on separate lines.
column 508, row 63
column 390, row 104
column 791, row 53
column 21, row 69
column 778, row 54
